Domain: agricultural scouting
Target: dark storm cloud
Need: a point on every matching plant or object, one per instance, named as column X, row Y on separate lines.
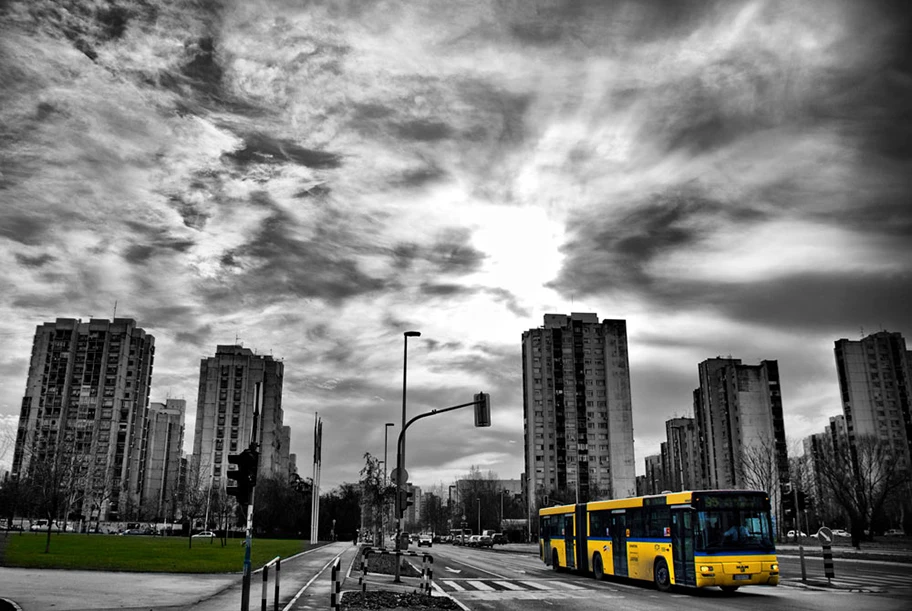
column 284, row 264
column 828, row 302
column 194, row 217
column 200, row 336
column 34, row 262
column 419, row 177
column 23, row 227
column 614, row 250
column 152, row 316
column 262, row 148
column 151, row 240
column 424, row 130
column 452, row 253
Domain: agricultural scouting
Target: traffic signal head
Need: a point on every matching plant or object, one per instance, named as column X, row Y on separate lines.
column 482, row 409
column 244, row 475
column 405, row 500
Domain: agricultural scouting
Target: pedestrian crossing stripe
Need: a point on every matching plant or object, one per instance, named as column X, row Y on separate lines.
column 480, row 585
column 509, row 585
column 469, row 585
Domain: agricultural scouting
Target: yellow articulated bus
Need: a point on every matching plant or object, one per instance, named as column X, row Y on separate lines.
column 699, row 539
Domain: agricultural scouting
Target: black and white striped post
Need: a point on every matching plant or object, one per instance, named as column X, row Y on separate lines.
column 336, row 586
column 825, row 536
column 428, row 573
column 277, row 561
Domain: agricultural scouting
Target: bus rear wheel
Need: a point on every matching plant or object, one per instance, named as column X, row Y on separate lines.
column 597, row 568
column 555, row 561
column 661, row 575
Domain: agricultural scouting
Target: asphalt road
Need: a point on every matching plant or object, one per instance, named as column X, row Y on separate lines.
column 513, row 581
column 510, row 578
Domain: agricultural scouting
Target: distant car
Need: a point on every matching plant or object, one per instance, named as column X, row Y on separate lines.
column 793, row 534
column 485, row 541
column 895, row 532
column 426, row 540
column 206, row 534
column 43, row 525
column 838, row 532
column 472, row 541
column 499, row 538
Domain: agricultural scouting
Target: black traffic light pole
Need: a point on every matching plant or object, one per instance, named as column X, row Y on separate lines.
column 482, row 418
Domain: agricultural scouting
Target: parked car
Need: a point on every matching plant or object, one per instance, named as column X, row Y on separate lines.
column 838, row 532
column 499, row 538
column 895, row 532
column 472, row 541
column 485, row 541
column 206, row 534
column 792, row 534
column 43, row 525
column 426, row 540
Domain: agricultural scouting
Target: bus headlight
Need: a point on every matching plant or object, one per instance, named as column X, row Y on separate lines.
column 774, row 568
column 705, row 568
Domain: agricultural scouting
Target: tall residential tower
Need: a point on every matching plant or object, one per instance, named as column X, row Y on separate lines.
column 577, row 409
column 85, row 411
column 225, row 414
column 875, row 380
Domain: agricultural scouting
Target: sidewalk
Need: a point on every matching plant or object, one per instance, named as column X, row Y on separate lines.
column 313, row 567
column 868, row 551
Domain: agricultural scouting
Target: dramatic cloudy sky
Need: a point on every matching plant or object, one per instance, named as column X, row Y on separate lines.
column 314, row 178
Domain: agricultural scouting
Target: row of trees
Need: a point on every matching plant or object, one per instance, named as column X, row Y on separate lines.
column 864, row 487
column 479, row 499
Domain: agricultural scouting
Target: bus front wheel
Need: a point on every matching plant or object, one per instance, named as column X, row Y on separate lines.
column 661, row 575
column 555, row 561
column 597, row 567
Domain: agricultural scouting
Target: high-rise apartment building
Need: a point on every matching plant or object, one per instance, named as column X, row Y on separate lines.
column 682, row 455
column 655, row 474
column 85, row 410
column 739, row 423
column 164, row 450
column 578, row 422
column 226, row 409
column 875, row 381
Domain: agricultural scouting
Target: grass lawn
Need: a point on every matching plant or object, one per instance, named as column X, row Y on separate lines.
column 141, row 553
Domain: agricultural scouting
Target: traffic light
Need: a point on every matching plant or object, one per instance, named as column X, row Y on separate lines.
column 405, row 499
column 482, row 409
column 244, row 475
column 788, row 505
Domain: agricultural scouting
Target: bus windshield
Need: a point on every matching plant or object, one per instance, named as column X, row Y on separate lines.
column 734, row 529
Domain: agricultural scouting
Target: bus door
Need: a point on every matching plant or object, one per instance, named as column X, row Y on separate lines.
column 569, row 550
column 618, row 526
column 682, row 545
column 544, row 531
column 582, row 538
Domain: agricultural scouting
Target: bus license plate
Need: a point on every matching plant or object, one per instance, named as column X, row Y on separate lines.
column 741, row 577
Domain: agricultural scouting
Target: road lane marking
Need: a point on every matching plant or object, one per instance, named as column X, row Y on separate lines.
column 480, row 585
column 536, row 585
column 508, row 585
column 454, row 585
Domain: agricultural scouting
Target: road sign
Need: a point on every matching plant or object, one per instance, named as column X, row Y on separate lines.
column 825, row 535
column 394, row 476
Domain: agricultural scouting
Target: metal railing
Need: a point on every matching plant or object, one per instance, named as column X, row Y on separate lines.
column 277, row 561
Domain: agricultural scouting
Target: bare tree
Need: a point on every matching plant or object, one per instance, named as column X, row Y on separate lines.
column 376, row 496
column 195, row 497
column 863, row 481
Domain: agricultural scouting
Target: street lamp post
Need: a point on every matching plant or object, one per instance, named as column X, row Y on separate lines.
column 400, row 452
column 479, row 514
column 502, row 493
